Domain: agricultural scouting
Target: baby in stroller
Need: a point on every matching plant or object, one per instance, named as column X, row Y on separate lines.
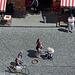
column 49, row 53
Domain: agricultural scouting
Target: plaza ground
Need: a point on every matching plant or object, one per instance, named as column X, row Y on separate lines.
column 15, row 39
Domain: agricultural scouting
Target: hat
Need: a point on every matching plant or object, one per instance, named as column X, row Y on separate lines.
column 49, row 49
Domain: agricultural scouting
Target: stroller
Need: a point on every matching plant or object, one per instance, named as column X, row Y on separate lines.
column 48, row 55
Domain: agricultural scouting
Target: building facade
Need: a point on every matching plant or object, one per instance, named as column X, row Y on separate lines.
column 20, row 4
column 17, row 4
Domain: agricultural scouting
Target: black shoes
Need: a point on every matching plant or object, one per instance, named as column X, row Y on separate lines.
column 69, row 31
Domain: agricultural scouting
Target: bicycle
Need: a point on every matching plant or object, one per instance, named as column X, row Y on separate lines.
column 22, row 70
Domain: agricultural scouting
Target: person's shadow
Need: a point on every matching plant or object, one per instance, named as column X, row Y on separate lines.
column 13, row 63
column 62, row 30
column 31, row 53
column 43, row 57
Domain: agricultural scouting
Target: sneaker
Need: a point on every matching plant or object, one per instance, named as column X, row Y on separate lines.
column 36, row 55
column 39, row 57
column 67, row 31
column 71, row 31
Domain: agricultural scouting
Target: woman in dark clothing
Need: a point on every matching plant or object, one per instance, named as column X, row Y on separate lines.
column 39, row 48
column 35, row 4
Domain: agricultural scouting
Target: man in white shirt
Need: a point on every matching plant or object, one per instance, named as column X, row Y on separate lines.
column 71, row 21
column 35, row 4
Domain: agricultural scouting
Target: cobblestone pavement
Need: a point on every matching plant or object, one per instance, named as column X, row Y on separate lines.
column 13, row 40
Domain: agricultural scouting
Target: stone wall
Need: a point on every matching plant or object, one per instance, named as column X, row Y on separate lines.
column 17, row 4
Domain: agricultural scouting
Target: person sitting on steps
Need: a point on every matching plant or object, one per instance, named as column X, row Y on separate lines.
column 35, row 6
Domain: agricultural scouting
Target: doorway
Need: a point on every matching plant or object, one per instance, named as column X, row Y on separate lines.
column 45, row 4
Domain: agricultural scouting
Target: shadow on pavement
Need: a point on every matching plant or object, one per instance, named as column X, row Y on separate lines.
column 42, row 22
column 13, row 63
column 23, row 14
column 7, row 72
column 48, row 16
column 43, row 56
column 3, row 22
column 62, row 30
column 19, row 14
column 31, row 53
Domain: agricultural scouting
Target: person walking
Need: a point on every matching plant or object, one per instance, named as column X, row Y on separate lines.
column 38, row 50
column 71, row 21
column 35, row 4
column 38, row 46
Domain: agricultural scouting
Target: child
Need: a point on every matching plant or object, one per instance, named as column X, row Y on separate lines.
column 41, row 47
column 49, row 53
column 21, row 54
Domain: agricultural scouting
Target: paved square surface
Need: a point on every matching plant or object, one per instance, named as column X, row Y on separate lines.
column 13, row 40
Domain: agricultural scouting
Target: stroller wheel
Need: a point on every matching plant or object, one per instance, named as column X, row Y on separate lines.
column 45, row 58
column 51, row 58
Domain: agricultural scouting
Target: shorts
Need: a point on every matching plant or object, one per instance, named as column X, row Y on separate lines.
column 38, row 51
column 70, row 26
